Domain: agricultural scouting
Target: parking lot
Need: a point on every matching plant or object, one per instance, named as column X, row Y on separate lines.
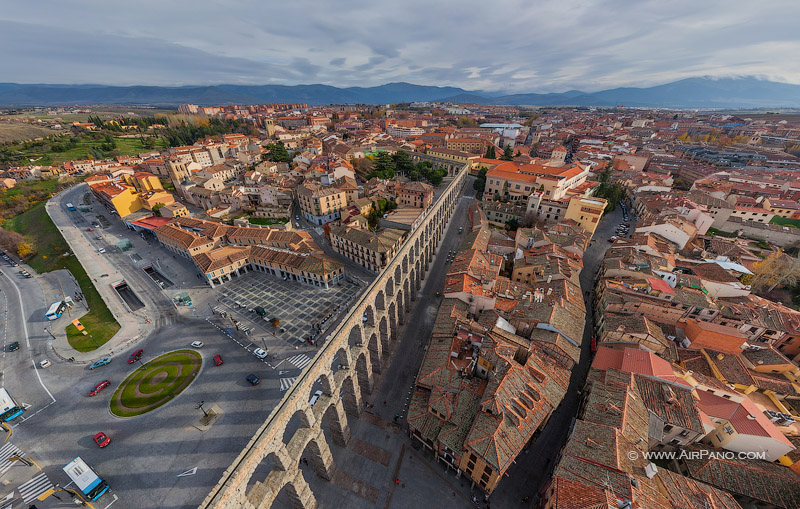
column 297, row 306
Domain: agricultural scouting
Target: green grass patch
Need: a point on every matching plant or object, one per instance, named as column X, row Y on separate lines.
column 51, row 247
column 84, row 149
column 156, row 383
column 782, row 221
column 265, row 221
column 714, row 231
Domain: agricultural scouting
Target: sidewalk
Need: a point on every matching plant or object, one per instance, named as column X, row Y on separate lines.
column 132, row 326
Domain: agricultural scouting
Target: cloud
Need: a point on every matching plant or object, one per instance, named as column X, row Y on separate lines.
column 510, row 45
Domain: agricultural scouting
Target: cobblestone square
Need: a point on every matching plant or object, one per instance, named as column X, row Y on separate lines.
column 296, row 305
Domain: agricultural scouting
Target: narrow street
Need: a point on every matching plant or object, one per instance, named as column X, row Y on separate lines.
column 535, row 464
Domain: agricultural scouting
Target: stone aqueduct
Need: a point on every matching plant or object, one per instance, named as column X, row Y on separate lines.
column 345, row 365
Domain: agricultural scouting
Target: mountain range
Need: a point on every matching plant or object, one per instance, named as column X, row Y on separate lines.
column 743, row 92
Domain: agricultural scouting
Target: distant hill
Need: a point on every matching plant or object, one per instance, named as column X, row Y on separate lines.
column 686, row 93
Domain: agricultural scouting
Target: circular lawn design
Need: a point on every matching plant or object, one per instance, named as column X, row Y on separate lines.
column 155, row 384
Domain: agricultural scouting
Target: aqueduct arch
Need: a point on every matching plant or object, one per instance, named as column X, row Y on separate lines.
column 345, row 365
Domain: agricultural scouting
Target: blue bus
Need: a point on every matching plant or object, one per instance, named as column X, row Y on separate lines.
column 56, row 310
column 86, row 479
column 8, row 407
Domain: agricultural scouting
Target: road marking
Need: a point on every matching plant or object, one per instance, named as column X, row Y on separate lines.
column 286, row 383
column 32, row 489
column 28, row 341
column 6, row 452
column 115, row 499
column 188, row 472
column 300, row 361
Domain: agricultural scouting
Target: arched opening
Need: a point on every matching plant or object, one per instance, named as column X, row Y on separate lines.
column 380, row 301
column 350, row 392
column 364, row 372
column 299, row 420
column 383, row 331
column 375, row 352
column 356, row 337
column 389, row 288
column 392, row 314
column 368, row 317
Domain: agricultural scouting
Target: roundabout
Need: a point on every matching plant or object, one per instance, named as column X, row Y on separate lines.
column 158, row 382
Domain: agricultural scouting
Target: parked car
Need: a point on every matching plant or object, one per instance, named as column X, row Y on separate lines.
column 101, row 439
column 45, row 364
column 13, row 347
column 314, row 398
column 612, row 239
column 99, row 387
column 253, row 379
column 218, row 360
column 260, row 353
column 197, row 344
column 100, row 362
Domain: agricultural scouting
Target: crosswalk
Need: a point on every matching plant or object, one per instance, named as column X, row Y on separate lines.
column 31, row 490
column 6, row 452
column 286, row 383
column 299, row 361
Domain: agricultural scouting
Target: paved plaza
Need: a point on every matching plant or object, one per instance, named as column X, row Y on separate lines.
column 296, row 305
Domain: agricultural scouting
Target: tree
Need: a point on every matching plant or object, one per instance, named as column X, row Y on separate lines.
column 25, row 250
column 775, row 270
column 383, row 166
column 480, row 182
column 276, row 152
column 508, row 154
column 512, row 224
column 157, row 209
column 490, row 152
column 10, row 239
column 402, row 162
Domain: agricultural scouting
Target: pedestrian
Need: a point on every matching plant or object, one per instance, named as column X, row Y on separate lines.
column 397, row 481
column 526, row 499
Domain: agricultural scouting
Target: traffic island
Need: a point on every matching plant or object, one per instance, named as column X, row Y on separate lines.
column 209, row 418
column 156, row 383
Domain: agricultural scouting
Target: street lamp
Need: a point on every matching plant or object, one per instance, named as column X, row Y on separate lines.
column 51, row 334
column 200, row 407
column 93, row 341
column 264, row 341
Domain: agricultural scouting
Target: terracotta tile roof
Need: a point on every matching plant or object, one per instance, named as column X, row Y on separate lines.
column 745, row 416
column 674, row 404
column 571, row 494
column 761, row 480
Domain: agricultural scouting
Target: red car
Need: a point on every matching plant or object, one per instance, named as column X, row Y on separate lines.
column 90, row 229
column 135, row 356
column 218, row 360
column 101, row 439
column 99, row 387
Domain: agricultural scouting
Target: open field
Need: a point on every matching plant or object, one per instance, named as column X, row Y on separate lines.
column 156, row 383
column 105, row 112
column 51, row 249
column 44, row 156
column 10, row 132
column 782, row 221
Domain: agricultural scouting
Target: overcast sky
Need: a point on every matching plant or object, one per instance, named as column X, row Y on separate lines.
column 515, row 46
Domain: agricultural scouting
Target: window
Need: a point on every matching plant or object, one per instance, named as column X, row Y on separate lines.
column 684, row 433
column 667, row 428
column 473, row 458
